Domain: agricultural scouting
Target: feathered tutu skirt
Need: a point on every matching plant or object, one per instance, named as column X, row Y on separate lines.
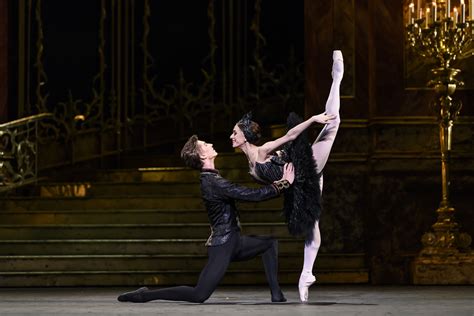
column 302, row 202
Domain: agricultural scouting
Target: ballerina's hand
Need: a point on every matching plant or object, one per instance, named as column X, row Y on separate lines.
column 288, row 172
column 323, row 118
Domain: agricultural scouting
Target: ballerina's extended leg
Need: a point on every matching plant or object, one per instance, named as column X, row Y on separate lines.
column 323, row 143
column 321, row 150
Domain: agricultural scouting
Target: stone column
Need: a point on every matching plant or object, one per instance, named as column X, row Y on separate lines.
column 3, row 60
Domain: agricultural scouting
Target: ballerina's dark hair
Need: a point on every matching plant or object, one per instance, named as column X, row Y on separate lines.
column 250, row 128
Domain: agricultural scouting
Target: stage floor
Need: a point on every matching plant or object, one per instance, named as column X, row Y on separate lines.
column 324, row 300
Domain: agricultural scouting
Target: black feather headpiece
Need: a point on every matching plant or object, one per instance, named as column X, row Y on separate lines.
column 245, row 124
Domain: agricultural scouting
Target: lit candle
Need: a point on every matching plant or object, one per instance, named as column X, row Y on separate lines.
column 471, row 11
column 463, row 12
column 420, row 10
column 448, row 9
column 435, row 11
column 455, row 15
column 471, row 16
column 427, row 17
column 411, row 12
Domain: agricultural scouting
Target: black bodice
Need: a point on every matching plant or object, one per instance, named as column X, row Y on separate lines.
column 269, row 171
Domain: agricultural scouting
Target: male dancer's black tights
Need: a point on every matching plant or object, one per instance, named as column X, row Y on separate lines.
column 237, row 248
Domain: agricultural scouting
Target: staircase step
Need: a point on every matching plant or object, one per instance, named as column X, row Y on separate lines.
column 142, row 226
column 98, row 189
column 102, row 246
column 116, row 246
column 163, row 262
column 93, row 189
column 168, row 278
column 159, row 174
column 123, row 202
column 138, row 263
column 122, row 231
column 223, row 160
column 109, row 263
column 117, row 216
column 91, row 247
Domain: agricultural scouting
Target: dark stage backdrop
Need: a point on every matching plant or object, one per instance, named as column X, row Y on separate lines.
column 136, row 70
column 173, row 59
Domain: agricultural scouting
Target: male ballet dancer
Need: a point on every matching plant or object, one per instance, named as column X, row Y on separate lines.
column 225, row 244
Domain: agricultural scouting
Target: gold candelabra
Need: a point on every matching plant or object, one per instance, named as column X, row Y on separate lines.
column 435, row 31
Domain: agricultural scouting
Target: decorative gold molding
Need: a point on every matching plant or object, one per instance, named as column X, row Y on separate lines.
column 41, row 78
column 21, row 57
column 414, row 120
column 95, row 108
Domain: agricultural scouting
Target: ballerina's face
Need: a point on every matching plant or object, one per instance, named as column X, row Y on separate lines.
column 237, row 137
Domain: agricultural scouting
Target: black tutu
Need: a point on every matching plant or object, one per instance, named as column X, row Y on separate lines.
column 302, row 202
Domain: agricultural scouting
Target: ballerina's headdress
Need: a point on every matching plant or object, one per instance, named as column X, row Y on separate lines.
column 245, row 124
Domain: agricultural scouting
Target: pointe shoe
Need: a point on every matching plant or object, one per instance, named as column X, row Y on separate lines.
column 306, row 280
column 134, row 296
column 337, row 65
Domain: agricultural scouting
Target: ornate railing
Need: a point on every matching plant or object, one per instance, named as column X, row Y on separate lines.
column 128, row 104
column 19, row 151
column 130, row 97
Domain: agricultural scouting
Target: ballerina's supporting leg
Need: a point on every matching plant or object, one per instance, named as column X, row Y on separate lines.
column 321, row 150
column 310, row 252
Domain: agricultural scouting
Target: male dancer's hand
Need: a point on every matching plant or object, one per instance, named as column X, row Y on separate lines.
column 288, row 172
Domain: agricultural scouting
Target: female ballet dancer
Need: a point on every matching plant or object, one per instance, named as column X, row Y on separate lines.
column 302, row 203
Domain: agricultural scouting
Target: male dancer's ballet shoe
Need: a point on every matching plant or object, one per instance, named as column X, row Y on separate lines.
column 337, row 65
column 306, row 280
column 278, row 297
column 134, row 296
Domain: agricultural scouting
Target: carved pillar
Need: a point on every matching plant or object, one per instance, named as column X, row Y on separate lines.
column 3, row 60
column 316, row 52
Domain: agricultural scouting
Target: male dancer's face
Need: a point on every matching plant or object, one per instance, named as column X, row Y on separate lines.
column 206, row 150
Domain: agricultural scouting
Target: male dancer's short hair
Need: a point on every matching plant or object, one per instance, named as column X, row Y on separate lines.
column 190, row 153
